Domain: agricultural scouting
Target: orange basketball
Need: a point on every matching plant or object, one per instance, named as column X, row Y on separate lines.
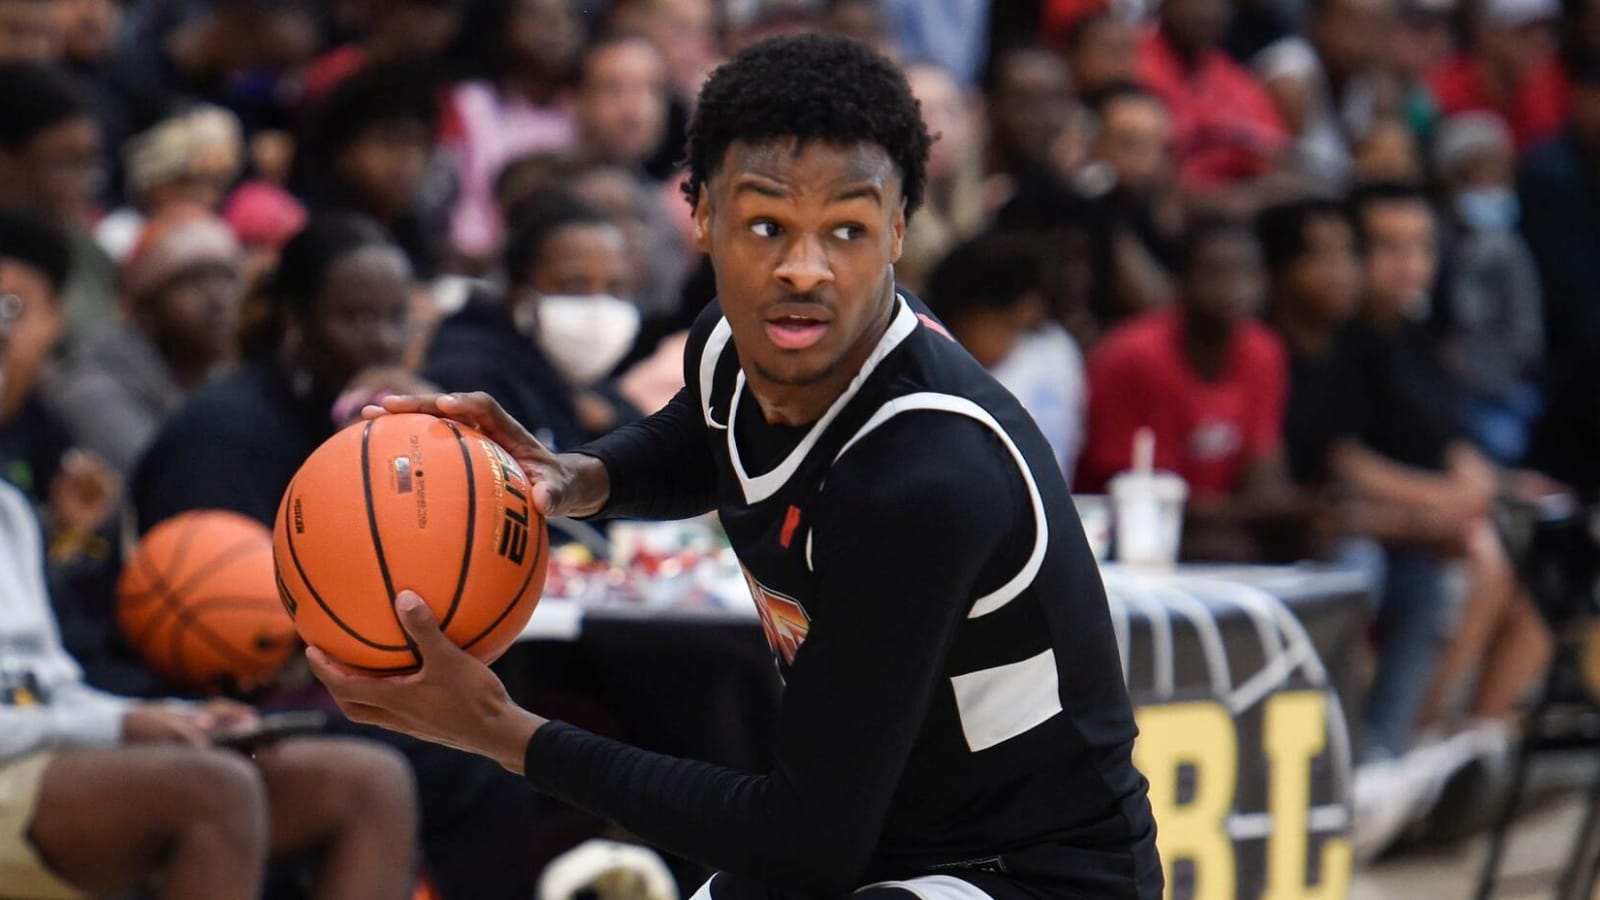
column 197, row 600
column 408, row 501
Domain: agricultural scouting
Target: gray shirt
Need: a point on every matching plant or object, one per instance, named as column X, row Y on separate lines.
column 113, row 395
column 44, row 703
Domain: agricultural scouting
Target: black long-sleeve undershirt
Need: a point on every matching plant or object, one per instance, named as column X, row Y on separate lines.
column 660, row 467
column 901, row 541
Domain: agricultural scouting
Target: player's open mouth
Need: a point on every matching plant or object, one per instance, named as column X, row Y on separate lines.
column 795, row 332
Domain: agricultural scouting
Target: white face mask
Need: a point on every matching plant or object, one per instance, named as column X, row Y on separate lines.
column 585, row 336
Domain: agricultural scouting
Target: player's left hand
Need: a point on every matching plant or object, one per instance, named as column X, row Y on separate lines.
column 453, row 699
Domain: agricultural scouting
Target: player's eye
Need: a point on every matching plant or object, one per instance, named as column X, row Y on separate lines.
column 765, row 228
column 849, row 232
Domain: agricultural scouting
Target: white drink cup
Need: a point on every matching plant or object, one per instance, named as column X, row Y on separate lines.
column 1148, row 513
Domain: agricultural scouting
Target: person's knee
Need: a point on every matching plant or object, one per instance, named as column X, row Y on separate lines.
column 381, row 783
column 352, row 779
column 223, row 794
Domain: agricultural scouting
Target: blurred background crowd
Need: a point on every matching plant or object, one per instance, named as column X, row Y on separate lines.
column 1340, row 257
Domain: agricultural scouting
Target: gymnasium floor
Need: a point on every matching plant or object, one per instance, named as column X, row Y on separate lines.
column 1538, row 849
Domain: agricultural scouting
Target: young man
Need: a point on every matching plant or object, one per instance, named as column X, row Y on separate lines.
column 622, row 100
column 51, row 166
column 99, row 793
column 1209, row 381
column 1406, row 450
column 955, row 718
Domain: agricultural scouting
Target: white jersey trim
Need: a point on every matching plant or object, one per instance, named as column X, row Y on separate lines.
column 1000, row 703
column 935, row 887
column 763, row 486
column 709, row 357
column 928, row 887
column 962, row 406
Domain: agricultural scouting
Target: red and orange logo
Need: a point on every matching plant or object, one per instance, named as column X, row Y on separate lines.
column 783, row 619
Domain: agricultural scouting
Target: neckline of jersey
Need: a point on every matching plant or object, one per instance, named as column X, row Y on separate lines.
column 760, row 487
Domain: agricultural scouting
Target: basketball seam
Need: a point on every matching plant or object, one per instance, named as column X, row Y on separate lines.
column 179, row 659
column 294, row 556
column 211, row 567
column 377, row 539
column 517, row 597
column 186, row 619
column 233, row 601
column 159, row 617
column 472, row 521
column 216, row 641
column 167, row 593
column 180, row 553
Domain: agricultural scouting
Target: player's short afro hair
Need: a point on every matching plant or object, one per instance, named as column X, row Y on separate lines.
column 809, row 87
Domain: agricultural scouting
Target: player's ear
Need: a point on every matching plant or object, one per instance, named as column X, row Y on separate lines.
column 702, row 219
column 897, row 239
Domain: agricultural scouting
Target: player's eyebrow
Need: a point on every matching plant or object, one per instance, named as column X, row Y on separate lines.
column 750, row 184
column 860, row 192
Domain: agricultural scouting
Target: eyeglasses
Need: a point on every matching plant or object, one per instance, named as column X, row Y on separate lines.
column 11, row 307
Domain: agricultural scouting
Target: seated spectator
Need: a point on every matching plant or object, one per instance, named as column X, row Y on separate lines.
column 1406, row 454
column 103, row 795
column 622, row 101
column 190, row 158
column 986, row 291
column 1099, row 50
column 685, row 31
column 93, row 781
column 1142, row 220
column 50, row 165
column 1210, row 382
column 1225, row 128
column 1489, row 297
column 545, row 348
column 520, row 56
column 1559, row 186
column 32, row 31
column 1330, row 84
column 367, row 148
column 1315, row 283
column 180, row 293
column 34, row 261
column 1511, row 68
column 392, row 31
column 953, row 207
column 343, row 294
column 1388, row 154
column 1035, row 122
column 242, row 55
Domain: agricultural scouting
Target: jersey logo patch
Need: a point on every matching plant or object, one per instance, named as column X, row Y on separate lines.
column 933, row 325
column 783, row 619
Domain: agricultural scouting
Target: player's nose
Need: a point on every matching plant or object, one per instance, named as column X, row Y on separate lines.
column 804, row 266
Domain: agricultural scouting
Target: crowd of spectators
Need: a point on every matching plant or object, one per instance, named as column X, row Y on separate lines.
column 1340, row 257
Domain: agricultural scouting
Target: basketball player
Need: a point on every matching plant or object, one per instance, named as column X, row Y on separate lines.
column 955, row 723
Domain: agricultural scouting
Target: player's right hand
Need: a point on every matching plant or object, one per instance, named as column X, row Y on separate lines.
column 163, row 723
column 559, row 488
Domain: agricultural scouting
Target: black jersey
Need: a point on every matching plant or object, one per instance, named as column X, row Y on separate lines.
column 954, row 699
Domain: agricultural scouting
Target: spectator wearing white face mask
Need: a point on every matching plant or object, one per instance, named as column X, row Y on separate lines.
column 546, row 347
column 1489, row 298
